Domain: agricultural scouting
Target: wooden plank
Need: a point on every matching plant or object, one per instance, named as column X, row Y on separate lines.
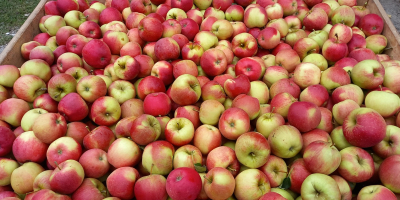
column 388, row 30
column 12, row 53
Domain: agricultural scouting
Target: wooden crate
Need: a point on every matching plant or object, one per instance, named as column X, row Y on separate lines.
column 12, row 53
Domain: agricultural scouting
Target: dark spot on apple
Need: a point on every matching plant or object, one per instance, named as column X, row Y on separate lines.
column 59, row 152
column 100, row 158
column 178, row 178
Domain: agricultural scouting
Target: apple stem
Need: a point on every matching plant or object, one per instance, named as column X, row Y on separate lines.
column 230, row 169
column 87, row 127
column 57, row 165
column 42, row 89
column 333, row 144
column 273, row 108
column 210, row 181
column 388, row 48
column 380, row 87
column 151, row 169
column 366, row 3
column 92, row 72
column 337, row 37
column 195, row 110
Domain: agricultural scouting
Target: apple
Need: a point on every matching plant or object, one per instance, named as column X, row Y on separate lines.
column 219, row 183
column 183, row 183
column 28, row 171
column 98, row 59
column 148, row 85
column 359, row 124
column 91, row 88
column 315, row 19
column 210, row 112
column 375, row 191
column 42, row 181
column 343, row 14
column 120, row 182
column 150, row 29
column 187, row 85
column 389, row 179
column 342, row 109
column 320, row 184
column 299, row 111
column 145, row 125
column 244, row 45
column 45, row 102
column 318, row 154
column 377, row 43
column 126, row 147
column 192, row 51
column 387, row 109
column 288, row 59
column 306, row 74
column 234, row 13
column 29, row 87
column 251, row 184
column 105, row 115
column 281, row 103
column 285, row 148
column 7, row 166
column 62, row 149
column 75, row 111
column 371, row 24
column 157, row 157
column 236, row 86
column 348, row 91
column 100, row 137
column 206, row 39
column 252, row 149
column 334, row 45
column 388, row 146
column 357, row 164
column 206, row 138
column 49, row 127
column 151, row 187
column 368, row 74
column 213, row 62
column 94, row 163
column 90, row 188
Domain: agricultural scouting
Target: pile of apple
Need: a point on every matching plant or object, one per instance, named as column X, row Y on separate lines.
column 202, row 99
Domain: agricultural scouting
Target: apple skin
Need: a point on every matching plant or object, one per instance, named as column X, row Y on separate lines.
column 42, row 181
column 253, row 68
column 325, row 185
column 251, row 184
column 371, row 24
column 219, row 183
column 244, row 45
column 316, row 19
column 151, row 187
column 387, row 109
column 7, row 166
column 342, row 109
column 185, row 85
column 349, row 91
column 288, row 59
column 105, row 111
column 252, row 149
column 183, row 183
column 316, row 94
column 281, row 146
column 62, row 149
column 334, row 77
column 68, row 171
column 389, row 145
column 98, row 59
column 233, row 123
column 28, row 171
column 90, row 188
column 75, row 111
column 27, row 147
column 29, row 87
column 7, row 139
column 157, row 157
column 225, row 157
column 375, row 192
column 368, row 74
column 236, row 86
column 213, row 62
column 386, row 175
column 333, row 51
column 299, row 111
column 94, row 163
column 318, row 154
column 357, row 165
column 145, row 129
column 100, row 137
column 120, row 182
column 128, row 148
column 207, row 138
column 276, row 170
column 364, row 123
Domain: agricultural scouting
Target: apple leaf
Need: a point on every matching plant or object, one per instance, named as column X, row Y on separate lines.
column 285, row 183
column 200, row 168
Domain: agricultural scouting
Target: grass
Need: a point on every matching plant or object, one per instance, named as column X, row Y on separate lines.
column 13, row 15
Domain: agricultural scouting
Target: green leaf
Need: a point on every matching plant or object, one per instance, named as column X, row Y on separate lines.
column 285, row 183
column 200, row 168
